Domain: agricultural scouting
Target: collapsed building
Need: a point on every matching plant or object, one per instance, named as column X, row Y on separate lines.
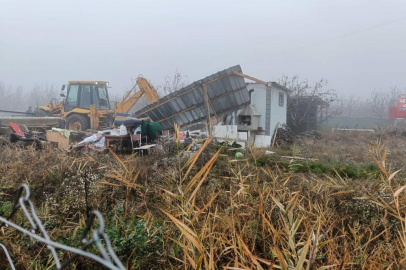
column 228, row 107
column 232, row 108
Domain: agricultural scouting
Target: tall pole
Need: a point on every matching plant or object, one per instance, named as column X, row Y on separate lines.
column 207, row 106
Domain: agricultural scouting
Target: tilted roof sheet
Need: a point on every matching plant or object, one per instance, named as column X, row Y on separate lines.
column 226, row 90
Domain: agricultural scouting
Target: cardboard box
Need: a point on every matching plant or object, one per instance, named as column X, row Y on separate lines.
column 57, row 139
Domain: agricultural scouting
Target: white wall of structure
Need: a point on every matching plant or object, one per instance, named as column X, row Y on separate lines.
column 258, row 99
column 278, row 107
column 271, row 102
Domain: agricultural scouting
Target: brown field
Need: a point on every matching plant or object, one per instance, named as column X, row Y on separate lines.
column 207, row 210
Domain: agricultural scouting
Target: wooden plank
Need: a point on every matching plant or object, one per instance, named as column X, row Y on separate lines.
column 250, row 78
column 145, row 147
column 299, row 158
column 206, row 104
column 274, row 134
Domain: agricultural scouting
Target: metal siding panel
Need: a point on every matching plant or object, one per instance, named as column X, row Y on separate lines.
column 174, row 108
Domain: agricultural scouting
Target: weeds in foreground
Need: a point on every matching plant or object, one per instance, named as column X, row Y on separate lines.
column 204, row 210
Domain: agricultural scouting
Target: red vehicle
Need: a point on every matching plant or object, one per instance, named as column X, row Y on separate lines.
column 398, row 112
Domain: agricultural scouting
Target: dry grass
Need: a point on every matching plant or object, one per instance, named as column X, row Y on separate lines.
column 208, row 211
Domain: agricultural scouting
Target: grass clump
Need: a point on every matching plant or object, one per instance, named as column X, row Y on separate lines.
column 208, row 210
column 344, row 170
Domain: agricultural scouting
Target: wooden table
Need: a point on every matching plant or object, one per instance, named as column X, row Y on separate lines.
column 114, row 138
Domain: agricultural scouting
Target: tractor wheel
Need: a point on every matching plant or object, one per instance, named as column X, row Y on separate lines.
column 78, row 122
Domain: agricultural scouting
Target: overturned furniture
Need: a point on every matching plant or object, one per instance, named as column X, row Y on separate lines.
column 31, row 123
column 26, row 138
column 58, row 138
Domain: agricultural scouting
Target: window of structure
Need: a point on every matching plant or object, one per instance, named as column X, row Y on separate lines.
column 281, row 99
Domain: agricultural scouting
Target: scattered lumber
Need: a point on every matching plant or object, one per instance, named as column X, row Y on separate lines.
column 299, row 158
column 282, row 134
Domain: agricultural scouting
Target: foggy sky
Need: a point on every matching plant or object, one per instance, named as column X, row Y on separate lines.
column 358, row 46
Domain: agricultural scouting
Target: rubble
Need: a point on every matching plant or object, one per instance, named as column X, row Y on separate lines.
column 282, row 134
column 39, row 123
column 94, row 142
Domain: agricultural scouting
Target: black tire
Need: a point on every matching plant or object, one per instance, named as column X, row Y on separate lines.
column 78, row 122
column 62, row 124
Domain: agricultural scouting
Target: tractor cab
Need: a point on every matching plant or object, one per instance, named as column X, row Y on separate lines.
column 81, row 94
column 86, row 105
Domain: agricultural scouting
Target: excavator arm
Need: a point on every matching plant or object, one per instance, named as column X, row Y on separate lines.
column 128, row 102
column 149, row 91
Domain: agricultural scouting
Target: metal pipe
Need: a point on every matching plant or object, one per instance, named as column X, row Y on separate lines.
column 17, row 112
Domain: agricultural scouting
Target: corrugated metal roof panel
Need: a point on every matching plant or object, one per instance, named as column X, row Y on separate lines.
column 226, row 91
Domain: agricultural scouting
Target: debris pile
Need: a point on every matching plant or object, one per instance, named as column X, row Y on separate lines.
column 26, row 137
column 282, row 135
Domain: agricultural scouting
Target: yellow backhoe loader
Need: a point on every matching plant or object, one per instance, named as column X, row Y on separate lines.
column 87, row 104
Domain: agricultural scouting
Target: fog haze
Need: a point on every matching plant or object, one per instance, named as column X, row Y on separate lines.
column 358, row 46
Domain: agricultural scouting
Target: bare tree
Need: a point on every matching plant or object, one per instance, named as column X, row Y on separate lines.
column 16, row 99
column 394, row 93
column 375, row 106
column 379, row 104
column 352, row 106
column 10, row 98
column 42, row 94
column 307, row 104
column 177, row 82
column 380, row 101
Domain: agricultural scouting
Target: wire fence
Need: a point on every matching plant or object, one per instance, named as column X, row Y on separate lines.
column 108, row 258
